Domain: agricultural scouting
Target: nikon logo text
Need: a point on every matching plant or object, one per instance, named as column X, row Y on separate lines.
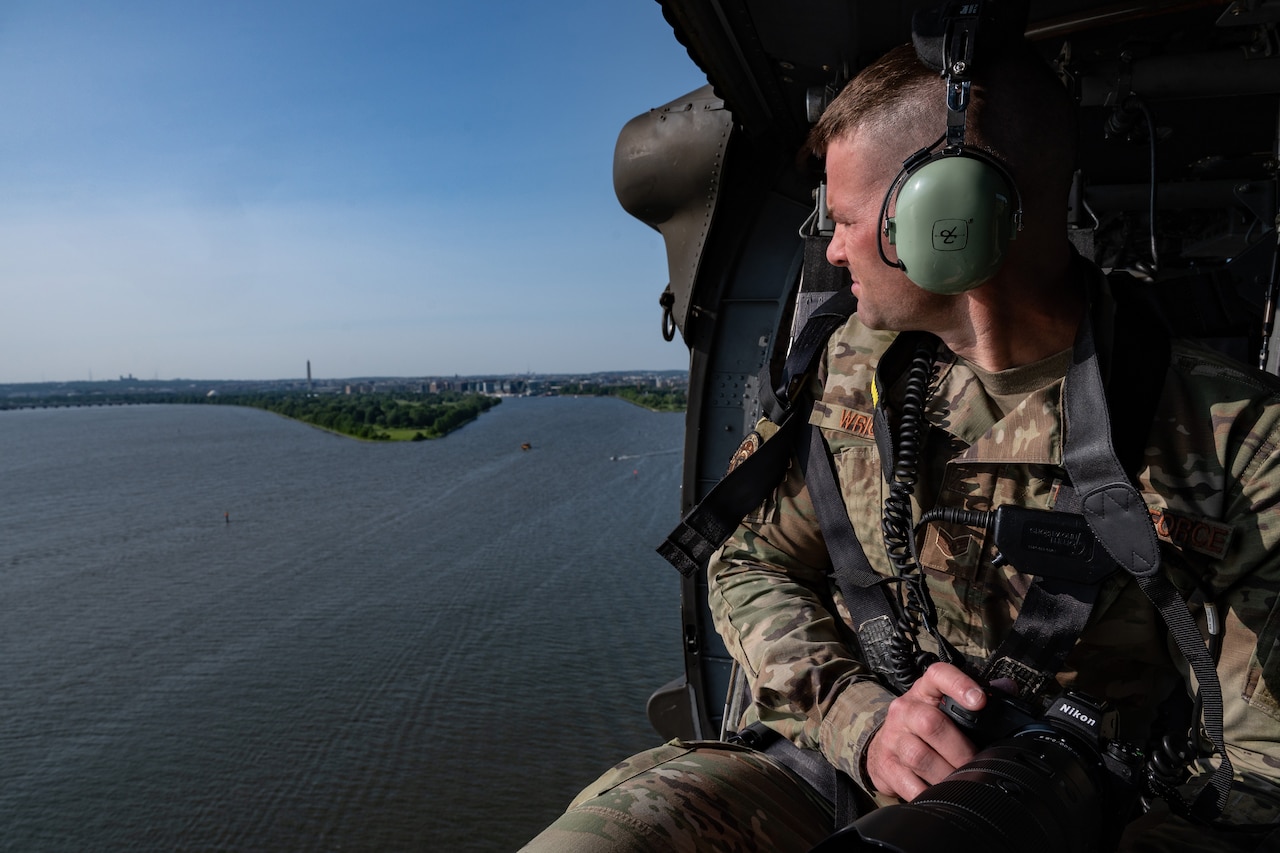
column 1072, row 711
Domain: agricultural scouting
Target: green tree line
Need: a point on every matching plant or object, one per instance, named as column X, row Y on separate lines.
column 375, row 417
column 656, row 399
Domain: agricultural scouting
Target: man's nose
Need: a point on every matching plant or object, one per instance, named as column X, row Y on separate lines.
column 836, row 255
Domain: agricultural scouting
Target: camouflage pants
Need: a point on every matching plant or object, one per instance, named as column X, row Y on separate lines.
column 713, row 796
column 687, row 797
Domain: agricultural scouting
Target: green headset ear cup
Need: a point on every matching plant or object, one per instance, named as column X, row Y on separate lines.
column 952, row 223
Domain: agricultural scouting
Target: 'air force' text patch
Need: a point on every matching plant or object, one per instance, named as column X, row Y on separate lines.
column 1194, row 532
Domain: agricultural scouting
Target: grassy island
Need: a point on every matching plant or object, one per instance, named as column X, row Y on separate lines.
column 374, row 417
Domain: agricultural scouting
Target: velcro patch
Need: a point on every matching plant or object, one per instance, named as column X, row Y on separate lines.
column 749, row 445
column 1186, row 531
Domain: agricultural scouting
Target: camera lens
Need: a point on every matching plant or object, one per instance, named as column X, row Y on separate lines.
column 1039, row 790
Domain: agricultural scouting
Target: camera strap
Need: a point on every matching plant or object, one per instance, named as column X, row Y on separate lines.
column 1118, row 517
column 1057, row 608
column 1057, row 605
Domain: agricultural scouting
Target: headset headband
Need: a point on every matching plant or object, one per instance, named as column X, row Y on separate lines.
column 958, row 47
column 952, row 223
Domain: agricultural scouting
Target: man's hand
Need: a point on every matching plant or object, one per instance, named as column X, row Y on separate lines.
column 918, row 745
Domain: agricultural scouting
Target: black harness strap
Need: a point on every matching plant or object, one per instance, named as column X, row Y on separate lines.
column 706, row 527
column 1054, row 612
column 803, row 356
column 870, row 606
column 810, row 765
column 849, row 561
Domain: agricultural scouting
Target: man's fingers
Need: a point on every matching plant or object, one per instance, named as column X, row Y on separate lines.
column 905, row 765
column 917, row 745
column 945, row 746
column 906, row 785
column 948, row 680
column 924, row 761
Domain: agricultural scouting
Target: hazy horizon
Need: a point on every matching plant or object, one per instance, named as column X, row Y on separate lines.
column 215, row 188
column 375, row 377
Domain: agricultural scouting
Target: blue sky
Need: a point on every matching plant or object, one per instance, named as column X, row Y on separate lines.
column 228, row 189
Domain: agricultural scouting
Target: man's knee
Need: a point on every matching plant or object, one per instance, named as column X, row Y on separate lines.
column 691, row 796
column 622, row 773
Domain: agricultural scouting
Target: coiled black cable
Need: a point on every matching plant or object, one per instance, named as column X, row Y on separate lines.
column 956, row 515
column 897, row 523
column 906, row 659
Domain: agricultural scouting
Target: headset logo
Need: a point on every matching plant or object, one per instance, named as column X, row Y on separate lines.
column 950, row 235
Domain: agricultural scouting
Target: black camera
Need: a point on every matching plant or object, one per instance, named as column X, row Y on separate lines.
column 1051, row 780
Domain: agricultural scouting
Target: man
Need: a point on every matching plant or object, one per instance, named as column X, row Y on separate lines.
column 992, row 398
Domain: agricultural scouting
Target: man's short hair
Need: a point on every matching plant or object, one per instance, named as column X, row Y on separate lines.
column 1019, row 113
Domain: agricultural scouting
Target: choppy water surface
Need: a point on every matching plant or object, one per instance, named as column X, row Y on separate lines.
column 387, row 646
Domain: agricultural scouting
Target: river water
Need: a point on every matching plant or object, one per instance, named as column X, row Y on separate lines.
column 224, row 630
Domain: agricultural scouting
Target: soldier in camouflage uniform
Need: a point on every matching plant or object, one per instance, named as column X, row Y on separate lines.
column 995, row 436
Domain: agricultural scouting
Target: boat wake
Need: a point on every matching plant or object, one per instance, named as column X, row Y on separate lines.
column 622, row 456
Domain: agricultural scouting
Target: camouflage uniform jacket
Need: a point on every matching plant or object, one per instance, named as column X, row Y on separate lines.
column 1211, row 482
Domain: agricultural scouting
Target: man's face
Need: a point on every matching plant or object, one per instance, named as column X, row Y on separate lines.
column 859, row 172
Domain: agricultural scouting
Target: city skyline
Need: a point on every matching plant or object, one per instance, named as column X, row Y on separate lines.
column 672, row 376
column 394, row 189
column 305, row 376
